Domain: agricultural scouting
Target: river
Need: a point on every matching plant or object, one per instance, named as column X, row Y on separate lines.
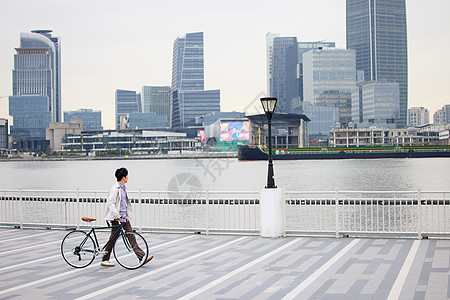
column 228, row 174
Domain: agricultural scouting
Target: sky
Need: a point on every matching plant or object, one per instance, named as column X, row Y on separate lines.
column 108, row 45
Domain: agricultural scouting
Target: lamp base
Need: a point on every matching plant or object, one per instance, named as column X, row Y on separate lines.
column 271, row 205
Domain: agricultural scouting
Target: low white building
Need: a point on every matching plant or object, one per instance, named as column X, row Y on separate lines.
column 129, row 140
column 368, row 137
column 444, row 135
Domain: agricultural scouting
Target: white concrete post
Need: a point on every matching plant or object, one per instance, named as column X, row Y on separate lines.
column 271, row 205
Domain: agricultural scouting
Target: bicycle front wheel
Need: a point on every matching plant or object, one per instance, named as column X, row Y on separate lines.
column 78, row 249
column 130, row 250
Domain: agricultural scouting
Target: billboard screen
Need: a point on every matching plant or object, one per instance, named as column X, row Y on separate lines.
column 201, row 134
column 234, row 131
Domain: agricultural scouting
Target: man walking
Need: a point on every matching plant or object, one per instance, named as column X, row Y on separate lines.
column 118, row 209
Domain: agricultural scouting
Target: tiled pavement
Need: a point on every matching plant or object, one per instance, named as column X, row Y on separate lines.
column 231, row 267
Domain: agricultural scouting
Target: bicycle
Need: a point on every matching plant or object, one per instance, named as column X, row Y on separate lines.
column 79, row 249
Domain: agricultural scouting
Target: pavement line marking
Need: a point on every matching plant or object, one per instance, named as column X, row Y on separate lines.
column 69, row 272
column 59, row 255
column 26, row 248
column 122, row 283
column 295, row 292
column 238, row 270
column 24, row 237
column 29, row 262
column 41, row 280
column 4, row 230
column 401, row 278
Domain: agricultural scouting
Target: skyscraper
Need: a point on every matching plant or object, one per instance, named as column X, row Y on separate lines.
column 188, row 98
column 127, row 102
column 156, row 99
column 278, row 68
column 294, row 70
column 269, row 57
column 36, row 99
column 376, row 29
column 329, row 77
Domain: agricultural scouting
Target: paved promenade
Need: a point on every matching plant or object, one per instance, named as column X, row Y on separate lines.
column 231, row 267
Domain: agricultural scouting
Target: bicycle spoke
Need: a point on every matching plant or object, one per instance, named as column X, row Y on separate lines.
column 131, row 250
column 78, row 249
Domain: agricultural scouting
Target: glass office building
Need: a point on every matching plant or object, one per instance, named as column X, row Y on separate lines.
column 294, row 70
column 127, row 102
column 146, row 120
column 329, row 79
column 323, row 119
column 156, row 99
column 188, row 63
column 278, row 75
column 188, row 98
column 196, row 104
column 376, row 30
column 376, row 103
column 92, row 119
column 269, row 57
column 3, row 133
column 36, row 99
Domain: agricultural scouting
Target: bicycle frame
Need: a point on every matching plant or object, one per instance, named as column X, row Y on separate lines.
column 114, row 237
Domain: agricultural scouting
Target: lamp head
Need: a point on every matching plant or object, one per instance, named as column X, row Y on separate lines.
column 269, row 104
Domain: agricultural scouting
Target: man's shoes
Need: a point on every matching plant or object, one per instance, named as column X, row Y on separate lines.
column 148, row 259
column 107, row 263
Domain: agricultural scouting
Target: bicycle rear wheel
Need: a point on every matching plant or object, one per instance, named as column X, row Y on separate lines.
column 78, row 249
column 131, row 250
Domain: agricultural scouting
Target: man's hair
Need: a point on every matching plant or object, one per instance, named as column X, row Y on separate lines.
column 121, row 173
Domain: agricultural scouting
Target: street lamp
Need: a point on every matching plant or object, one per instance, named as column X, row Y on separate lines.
column 269, row 107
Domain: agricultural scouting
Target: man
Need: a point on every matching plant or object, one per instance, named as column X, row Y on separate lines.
column 118, row 209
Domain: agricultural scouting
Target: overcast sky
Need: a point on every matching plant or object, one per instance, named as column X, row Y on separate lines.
column 108, row 45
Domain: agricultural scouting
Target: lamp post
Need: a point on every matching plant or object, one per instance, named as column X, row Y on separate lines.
column 269, row 104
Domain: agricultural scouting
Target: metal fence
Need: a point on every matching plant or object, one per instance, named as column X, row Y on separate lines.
column 396, row 213
column 196, row 211
column 331, row 213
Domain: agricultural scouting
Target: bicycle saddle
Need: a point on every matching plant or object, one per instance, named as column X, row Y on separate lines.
column 87, row 219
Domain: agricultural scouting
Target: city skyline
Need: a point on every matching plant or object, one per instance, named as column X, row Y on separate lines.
column 112, row 45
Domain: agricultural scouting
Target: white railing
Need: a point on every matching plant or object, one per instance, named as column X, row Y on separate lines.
column 155, row 210
column 336, row 213
column 396, row 213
